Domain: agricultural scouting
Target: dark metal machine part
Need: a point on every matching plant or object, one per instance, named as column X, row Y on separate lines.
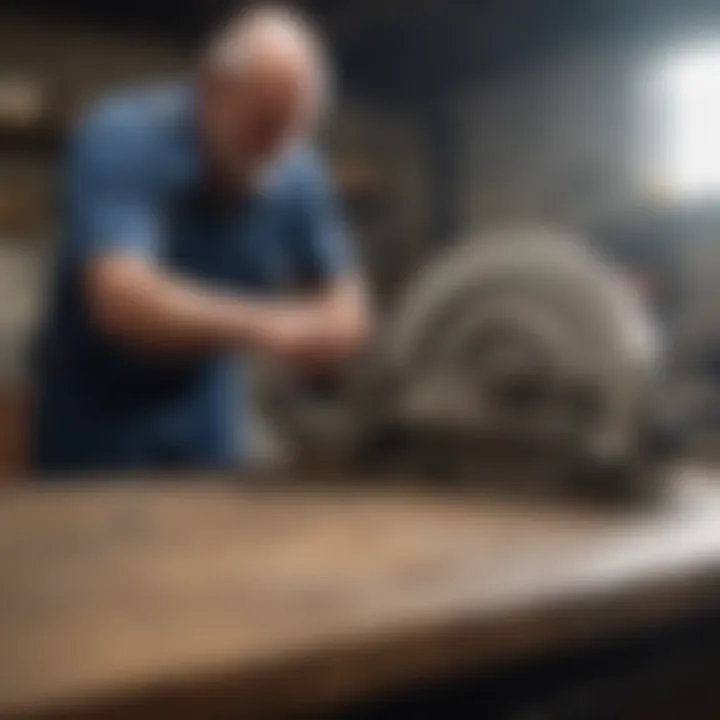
column 521, row 350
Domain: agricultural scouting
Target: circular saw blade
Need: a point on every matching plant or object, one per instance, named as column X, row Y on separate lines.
column 550, row 293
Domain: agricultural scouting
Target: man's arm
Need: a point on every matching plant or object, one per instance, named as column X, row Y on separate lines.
column 138, row 303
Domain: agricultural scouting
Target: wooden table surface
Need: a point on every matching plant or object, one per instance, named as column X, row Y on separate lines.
column 196, row 600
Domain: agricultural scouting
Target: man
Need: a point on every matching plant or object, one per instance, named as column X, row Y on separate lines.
column 183, row 206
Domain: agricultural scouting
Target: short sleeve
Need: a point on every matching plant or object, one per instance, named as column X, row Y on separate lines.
column 108, row 192
column 321, row 246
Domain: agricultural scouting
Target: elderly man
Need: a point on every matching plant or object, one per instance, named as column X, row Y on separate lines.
column 183, row 206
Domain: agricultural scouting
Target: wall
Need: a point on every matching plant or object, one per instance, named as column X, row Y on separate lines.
column 77, row 62
column 69, row 66
column 557, row 139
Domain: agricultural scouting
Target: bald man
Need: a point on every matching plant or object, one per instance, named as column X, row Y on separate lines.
column 190, row 213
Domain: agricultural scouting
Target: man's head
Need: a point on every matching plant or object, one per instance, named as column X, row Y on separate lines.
column 263, row 84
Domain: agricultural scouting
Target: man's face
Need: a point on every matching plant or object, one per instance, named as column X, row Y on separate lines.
column 248, row 122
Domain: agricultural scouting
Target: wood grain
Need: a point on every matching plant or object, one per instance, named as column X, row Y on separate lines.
column 207, row 599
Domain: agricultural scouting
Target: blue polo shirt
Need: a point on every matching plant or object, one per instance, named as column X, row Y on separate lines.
column 133, row 183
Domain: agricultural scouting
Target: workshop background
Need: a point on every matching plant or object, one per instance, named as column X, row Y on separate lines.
column 377, row 591
column 453, row 117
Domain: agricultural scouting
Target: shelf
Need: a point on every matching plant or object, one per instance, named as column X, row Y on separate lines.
column 30, row 139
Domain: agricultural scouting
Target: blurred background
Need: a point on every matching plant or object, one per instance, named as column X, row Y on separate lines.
column 598, row 115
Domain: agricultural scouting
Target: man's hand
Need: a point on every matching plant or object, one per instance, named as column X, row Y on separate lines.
column 284, row 331
column 323, row 329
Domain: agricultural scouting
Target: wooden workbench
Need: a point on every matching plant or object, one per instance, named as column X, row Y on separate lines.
column 200, row 600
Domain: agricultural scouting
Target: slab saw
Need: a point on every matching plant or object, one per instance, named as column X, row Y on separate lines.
column 518, row 358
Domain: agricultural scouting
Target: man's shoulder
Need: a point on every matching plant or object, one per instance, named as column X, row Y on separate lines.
column 129, row 131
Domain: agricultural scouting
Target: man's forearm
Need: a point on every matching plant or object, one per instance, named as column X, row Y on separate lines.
column 162, row 314
column 158, row 313
column 337, row 321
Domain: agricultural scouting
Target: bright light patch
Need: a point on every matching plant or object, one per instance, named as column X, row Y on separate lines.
column 693, row 123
